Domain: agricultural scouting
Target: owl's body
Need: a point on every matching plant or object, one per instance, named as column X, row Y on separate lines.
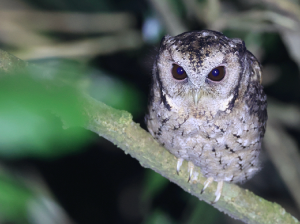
column 216, row 122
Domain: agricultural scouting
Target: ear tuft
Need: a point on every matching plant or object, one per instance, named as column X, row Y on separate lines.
column 256, row 73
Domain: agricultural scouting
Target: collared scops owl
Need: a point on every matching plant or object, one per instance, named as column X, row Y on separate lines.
column 207, row 105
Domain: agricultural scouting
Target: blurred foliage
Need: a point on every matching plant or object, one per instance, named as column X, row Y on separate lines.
column 199, row 210
column 159, row 217
column 24, row 201
column 14, row 199
column 30, row 100
column 27, row 125
column 114, row 92
column 153, row 184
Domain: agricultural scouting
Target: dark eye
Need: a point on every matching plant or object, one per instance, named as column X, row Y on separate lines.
column 217, row 74
column 178, row 72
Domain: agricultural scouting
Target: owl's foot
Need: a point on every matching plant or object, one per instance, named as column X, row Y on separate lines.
column 190, row 167
column 190, row 170
column 219, row 188
column 179, row 163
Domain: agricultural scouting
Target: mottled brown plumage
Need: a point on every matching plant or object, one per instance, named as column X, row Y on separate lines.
column 213, row 120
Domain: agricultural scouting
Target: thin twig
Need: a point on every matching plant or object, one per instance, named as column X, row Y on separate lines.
column 85, row 47
column 284, row 153
column 69, row 22
column 173, row 23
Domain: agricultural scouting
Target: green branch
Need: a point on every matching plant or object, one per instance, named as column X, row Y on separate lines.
column 117, row 126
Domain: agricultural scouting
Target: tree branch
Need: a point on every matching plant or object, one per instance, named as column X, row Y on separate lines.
column 117, row 126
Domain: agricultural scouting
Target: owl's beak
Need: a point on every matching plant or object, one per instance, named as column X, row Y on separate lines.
column 196, row 97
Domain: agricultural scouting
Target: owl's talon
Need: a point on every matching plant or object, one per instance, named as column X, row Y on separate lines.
column 207, row 183
column 218, row 192
column 190, row 170
column 179, row 163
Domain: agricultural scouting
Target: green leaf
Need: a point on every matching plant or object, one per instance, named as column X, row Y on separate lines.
column 28, row 122
column 159, row 217
column 115, row 92
column 154, row 184
column 14, row 199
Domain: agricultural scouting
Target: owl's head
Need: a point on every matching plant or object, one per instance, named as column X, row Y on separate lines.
column 204, row 68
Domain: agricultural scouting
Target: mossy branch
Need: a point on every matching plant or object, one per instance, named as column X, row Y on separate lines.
column 117, row 126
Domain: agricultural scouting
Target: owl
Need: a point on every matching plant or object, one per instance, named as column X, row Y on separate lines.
column 207, row 105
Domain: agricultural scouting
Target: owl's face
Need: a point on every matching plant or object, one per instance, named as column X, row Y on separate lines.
column 205, row 69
